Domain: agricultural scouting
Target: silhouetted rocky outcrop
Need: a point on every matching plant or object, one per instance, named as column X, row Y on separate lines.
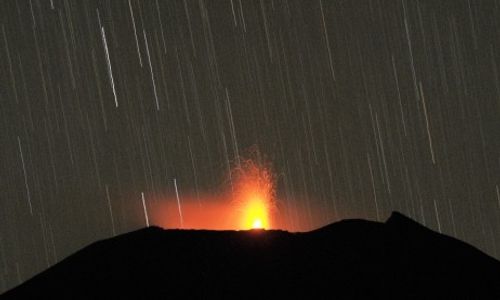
column 352, row 258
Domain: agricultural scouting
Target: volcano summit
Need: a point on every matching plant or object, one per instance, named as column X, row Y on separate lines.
column 351, row 258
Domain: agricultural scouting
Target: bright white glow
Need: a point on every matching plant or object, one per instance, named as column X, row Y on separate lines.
column 257, row 224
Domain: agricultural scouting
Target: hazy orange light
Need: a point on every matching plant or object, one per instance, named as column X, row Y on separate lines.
column 246, row 201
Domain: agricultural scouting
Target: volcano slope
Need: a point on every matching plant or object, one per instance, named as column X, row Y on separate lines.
column 348, row 259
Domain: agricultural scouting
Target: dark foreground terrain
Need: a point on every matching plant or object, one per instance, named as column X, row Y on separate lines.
column 352, row 258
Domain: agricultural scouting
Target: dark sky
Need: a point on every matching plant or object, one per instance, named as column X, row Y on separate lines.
column 361, row 108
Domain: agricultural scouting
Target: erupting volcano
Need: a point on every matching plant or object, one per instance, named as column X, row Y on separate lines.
column 246, row 200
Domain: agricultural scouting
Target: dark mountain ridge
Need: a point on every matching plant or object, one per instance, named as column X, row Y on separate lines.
column 352, row 258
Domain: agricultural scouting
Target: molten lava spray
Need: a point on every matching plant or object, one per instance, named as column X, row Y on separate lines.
column 253, row 194
column 247, row 200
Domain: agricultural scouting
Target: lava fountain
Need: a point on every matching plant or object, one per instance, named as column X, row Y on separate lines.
column 253, row 194
column 246, row 200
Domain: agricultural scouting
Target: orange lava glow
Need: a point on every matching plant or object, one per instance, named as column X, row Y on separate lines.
column 254, row 195
column 255, row 213
column 246, row 201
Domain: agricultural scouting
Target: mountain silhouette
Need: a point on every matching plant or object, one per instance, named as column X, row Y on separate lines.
column 348, row 259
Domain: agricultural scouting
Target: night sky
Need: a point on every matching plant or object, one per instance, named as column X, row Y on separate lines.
column 359, row 108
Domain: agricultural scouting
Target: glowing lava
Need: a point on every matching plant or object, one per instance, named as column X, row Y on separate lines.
column 254, row 195
column 256, row 214
column 246, row 200
column 257, row 224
